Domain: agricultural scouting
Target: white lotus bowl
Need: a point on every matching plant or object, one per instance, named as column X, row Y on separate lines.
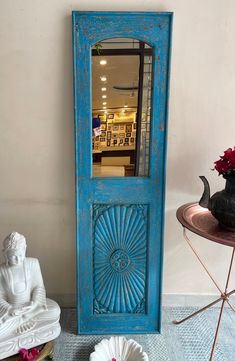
column 120, row 348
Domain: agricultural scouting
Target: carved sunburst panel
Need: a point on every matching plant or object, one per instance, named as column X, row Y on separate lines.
column 119, row 258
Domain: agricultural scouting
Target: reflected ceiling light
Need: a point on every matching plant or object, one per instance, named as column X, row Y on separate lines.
column 103, row 62
column 103, row 89
column 103, row 78
column 104, row 107
column 104, row 96
column 125, row 106
column 104, row 103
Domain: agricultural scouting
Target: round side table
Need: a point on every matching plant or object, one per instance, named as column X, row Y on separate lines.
column 200, row 221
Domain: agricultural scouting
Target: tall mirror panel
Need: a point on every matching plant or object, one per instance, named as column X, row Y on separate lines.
column 121, row 107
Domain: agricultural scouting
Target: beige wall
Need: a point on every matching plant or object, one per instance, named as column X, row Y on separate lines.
column 36, row 128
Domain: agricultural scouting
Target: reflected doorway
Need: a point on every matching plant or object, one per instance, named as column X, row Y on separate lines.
column 121, row 107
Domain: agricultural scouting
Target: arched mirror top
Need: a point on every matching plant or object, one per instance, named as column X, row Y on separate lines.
column 119, row 39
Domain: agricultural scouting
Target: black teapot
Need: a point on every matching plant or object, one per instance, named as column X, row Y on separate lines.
column 221, row 204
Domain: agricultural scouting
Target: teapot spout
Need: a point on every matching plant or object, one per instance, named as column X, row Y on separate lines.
column 205, row 199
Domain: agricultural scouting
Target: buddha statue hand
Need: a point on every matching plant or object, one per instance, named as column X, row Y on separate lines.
column 23, row 311
column 9, row 315
column 17, row 311
column 13, row 312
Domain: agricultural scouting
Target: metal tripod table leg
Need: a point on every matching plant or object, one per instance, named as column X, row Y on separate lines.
column 224, row 295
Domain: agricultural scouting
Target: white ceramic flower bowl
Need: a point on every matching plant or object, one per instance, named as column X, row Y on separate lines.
column 118, row 348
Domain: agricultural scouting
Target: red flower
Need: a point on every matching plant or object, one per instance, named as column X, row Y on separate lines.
column 221, row 166
column 226, row 164
column 28, row 355
column 227, row 153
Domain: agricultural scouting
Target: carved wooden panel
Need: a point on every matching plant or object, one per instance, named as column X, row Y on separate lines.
column 119, row 258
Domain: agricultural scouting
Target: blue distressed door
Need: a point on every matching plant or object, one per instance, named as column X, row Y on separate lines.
column 120, row 219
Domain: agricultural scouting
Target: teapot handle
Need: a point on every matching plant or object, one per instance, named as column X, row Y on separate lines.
column 205, row 199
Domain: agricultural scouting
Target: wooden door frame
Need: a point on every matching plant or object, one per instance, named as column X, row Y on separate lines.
column 155, row 29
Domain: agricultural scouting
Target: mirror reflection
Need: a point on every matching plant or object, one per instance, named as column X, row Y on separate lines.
column 121, row 107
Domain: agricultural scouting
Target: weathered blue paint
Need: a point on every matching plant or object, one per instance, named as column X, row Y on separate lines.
column 119, row 193
column 120, row 258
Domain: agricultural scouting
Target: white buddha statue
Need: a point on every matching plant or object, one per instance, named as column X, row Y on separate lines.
column 27, row 317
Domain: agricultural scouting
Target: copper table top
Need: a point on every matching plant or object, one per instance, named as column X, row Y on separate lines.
column 200, row 221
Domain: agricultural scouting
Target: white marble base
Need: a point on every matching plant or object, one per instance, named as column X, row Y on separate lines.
column 38, row 336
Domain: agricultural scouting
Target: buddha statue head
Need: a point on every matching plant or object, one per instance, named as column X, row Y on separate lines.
column 14, row 249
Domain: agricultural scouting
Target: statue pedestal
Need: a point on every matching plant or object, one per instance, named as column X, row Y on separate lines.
column 39, row 335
